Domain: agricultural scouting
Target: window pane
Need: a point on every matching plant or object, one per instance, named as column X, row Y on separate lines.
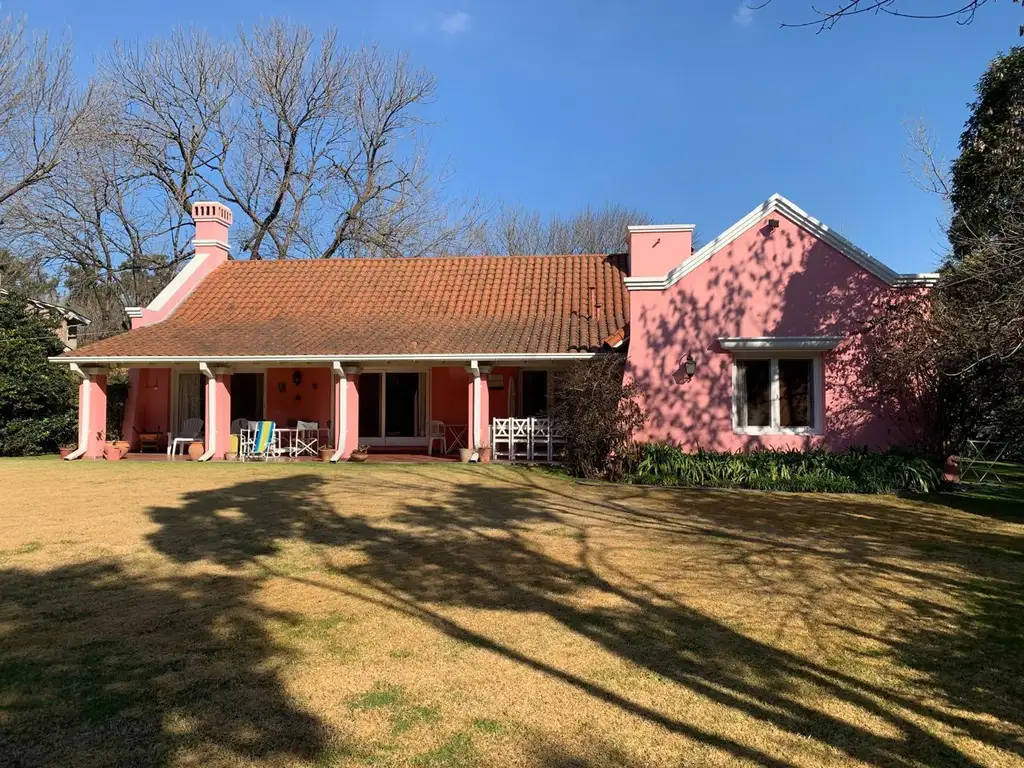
column 796, row 393
column 753, row 379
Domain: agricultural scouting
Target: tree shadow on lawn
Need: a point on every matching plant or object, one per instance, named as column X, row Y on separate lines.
column 102, row 667
column 475, row 549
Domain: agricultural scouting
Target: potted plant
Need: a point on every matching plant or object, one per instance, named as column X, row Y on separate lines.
column 485, row 454
column 361, row 453
column 112, row 451
column 195, row 450
column 326, row 453
column 66, row 450
column 123, row 445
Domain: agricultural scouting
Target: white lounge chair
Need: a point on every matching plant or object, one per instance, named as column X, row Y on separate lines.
column 191, row 431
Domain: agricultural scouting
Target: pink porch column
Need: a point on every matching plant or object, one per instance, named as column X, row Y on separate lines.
column 218, row 413
column 351, row 413
column 485, row 408
column 471, row 411
column 92, row 412
column 477, row 411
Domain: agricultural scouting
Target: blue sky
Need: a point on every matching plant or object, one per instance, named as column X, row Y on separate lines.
column 691, row 110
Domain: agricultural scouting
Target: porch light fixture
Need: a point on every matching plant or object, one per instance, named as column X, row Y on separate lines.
column 686, row 370
column 690, row 366
column 297, row 378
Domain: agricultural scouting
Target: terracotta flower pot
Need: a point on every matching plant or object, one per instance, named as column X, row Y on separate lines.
column 112, row 452
column 357, row 456
column 465, row 454
column 65, row 452
column 485, row 454
column 326, row 453
column 195, row 450
column 124, row 445
column 230, row 456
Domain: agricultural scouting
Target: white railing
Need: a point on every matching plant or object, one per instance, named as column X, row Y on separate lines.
column 535, row 440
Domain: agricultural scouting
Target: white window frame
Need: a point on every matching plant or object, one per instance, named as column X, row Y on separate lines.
column 818, row 414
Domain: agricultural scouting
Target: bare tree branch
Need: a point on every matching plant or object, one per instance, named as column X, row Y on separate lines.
column 41, row 107
column 826, row 18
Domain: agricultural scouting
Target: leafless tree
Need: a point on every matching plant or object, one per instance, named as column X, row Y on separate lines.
column 109, row 231
column 515, row 230
column 316, row 145
column 41, row 107
column 824, row 18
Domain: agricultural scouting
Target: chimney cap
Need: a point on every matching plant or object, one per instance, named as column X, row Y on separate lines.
column 212, row 211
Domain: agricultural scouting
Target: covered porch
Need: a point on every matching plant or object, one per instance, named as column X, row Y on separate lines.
column 398, row 409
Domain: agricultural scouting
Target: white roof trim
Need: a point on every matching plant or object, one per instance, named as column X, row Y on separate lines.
column 661, row 228
column 780, row 343
column 774, row 204
column 177, row 282
column 920, row 278
column 227, row 359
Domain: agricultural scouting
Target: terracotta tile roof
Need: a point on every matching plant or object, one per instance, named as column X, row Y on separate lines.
column 460, row 305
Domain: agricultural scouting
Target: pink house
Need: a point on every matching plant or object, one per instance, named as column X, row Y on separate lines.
column 750, row 341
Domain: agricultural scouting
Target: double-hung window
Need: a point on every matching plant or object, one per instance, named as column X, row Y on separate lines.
column 777, row 394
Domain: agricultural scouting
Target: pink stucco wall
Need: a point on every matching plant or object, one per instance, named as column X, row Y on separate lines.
column 309, row 401
column 449, row 394
column 654, row 254
column 766, row 283
column 498, row 399
column 148, row 408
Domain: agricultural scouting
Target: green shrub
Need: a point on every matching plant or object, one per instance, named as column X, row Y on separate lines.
column 852, row 471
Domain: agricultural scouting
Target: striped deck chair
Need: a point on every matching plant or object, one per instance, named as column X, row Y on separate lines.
column 262, row 440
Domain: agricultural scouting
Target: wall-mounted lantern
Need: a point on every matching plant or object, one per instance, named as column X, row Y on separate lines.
column 685, row 371
column 690, row 366
column 297, row 378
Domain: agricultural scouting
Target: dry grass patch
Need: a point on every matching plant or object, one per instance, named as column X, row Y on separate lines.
column 293, row 615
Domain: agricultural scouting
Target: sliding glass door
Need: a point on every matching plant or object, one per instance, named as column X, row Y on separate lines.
column 391, row 408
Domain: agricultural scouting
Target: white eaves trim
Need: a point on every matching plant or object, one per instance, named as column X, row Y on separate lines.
column 653, row 228
column 460, row 359
column 777, row 204
column 780, row 343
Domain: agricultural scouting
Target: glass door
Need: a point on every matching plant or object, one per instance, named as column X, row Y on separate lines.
column 401, row 401
column 370, row 404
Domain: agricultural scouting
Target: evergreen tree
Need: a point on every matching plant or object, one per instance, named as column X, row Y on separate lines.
column 988, row 176
column 37, row 398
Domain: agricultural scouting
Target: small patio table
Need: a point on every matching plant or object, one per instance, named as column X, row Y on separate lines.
column 455, row 436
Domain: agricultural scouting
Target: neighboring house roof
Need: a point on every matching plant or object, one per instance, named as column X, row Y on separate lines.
column 781, row 205
column 64, row 312
column 483, row 305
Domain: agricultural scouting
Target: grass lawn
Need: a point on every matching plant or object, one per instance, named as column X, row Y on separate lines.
column 156, row 614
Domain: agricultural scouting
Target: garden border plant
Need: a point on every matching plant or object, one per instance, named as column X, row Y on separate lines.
column 855, row 470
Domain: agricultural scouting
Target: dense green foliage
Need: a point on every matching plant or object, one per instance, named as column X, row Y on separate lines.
column 117, row 399
column 37, row 398
column 978, row 304
column 597, row 412
column 988, row 176
column 853, row 471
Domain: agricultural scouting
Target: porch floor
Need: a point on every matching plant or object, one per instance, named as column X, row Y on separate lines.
column 383, row 457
